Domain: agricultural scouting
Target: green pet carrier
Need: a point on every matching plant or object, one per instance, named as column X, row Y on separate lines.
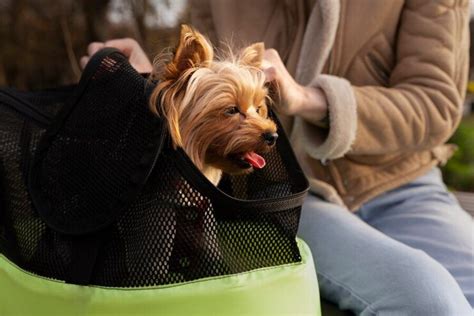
column 99, row 215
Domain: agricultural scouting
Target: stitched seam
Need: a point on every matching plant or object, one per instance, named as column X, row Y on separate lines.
column 156, row 287
column 349, row 290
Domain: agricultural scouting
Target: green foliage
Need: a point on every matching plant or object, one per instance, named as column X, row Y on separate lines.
column 459, row 171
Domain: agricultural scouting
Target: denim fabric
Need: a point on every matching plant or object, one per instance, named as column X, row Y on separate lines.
column 409, row 251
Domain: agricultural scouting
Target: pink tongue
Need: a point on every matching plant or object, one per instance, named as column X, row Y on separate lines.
column 255, row 160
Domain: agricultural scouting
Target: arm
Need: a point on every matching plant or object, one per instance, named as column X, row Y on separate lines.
column 422, row 106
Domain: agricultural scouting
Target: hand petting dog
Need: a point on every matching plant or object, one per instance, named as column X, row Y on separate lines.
column 294, row 99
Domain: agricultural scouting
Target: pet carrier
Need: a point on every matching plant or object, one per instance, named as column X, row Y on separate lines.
column 100, row 215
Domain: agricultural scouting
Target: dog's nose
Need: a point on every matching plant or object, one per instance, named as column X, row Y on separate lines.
column 270, row 138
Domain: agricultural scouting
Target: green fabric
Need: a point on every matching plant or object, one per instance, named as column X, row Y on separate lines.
column 283, row 290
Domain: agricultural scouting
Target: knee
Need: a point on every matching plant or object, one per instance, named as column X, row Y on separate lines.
column 424, row 287
column 433, row 300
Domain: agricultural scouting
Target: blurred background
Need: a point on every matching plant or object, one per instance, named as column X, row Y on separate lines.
column 43, row 40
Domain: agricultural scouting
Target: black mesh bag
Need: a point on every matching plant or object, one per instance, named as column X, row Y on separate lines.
column 93, row 193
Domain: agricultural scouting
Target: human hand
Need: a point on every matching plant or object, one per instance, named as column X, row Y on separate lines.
column 128, row 46
column 295, row 99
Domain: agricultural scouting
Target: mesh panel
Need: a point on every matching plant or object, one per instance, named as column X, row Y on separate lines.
column 114, row 208
column 111, row 133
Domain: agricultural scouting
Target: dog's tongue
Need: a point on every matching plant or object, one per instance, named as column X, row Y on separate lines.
column 255, row 160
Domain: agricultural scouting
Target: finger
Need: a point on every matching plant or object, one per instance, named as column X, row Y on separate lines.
column 125, row 45
column 94, row 47
column 84, row 60
column 265, row 64
column 270, row 73
column 268, row 70
column 271, row 54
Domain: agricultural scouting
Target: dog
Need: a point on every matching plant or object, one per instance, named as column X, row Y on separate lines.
column 215, row 107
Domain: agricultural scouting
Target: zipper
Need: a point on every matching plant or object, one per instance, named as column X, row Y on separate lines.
column 331, row 61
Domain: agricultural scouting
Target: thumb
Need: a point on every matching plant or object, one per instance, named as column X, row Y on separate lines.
column 84, row 60
column 270, row 73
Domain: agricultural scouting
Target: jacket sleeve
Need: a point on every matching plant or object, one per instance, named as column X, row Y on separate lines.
column 422, row 105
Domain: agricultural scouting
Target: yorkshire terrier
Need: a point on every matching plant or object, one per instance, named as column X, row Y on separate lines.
column 215, row 107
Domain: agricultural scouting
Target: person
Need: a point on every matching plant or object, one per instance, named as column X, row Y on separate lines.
column 370, row 92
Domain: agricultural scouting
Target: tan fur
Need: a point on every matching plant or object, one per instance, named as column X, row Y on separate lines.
column 195, row 94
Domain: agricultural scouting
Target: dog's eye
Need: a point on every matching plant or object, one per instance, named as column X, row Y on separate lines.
column 260, row 110
column 232, row 111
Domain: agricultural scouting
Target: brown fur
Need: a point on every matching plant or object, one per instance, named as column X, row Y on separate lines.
column 196, row 95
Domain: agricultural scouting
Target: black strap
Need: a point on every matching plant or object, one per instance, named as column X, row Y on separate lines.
column 189, row 239
column 10, row 99
column 7, row 232
column 84, row 258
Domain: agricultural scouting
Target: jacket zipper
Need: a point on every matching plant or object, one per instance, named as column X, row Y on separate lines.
column 331, row 61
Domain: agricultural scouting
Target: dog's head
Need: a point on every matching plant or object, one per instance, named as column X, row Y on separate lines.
column 216, row 108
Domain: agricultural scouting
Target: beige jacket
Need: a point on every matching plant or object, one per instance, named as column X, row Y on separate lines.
column 394, row 74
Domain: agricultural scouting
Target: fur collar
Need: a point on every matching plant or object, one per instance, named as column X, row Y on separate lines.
column 318, row 39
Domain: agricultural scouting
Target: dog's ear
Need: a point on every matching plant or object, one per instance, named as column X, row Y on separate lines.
column 193, row 50
column 253, row 55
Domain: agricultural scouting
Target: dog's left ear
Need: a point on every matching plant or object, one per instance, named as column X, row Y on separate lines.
column 193, row 50
column 253, row 55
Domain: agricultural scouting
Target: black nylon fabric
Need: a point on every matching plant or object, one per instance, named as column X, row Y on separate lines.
column 92, row 193
column 98, row 152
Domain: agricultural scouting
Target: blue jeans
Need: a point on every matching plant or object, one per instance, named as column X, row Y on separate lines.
column 406, row 252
